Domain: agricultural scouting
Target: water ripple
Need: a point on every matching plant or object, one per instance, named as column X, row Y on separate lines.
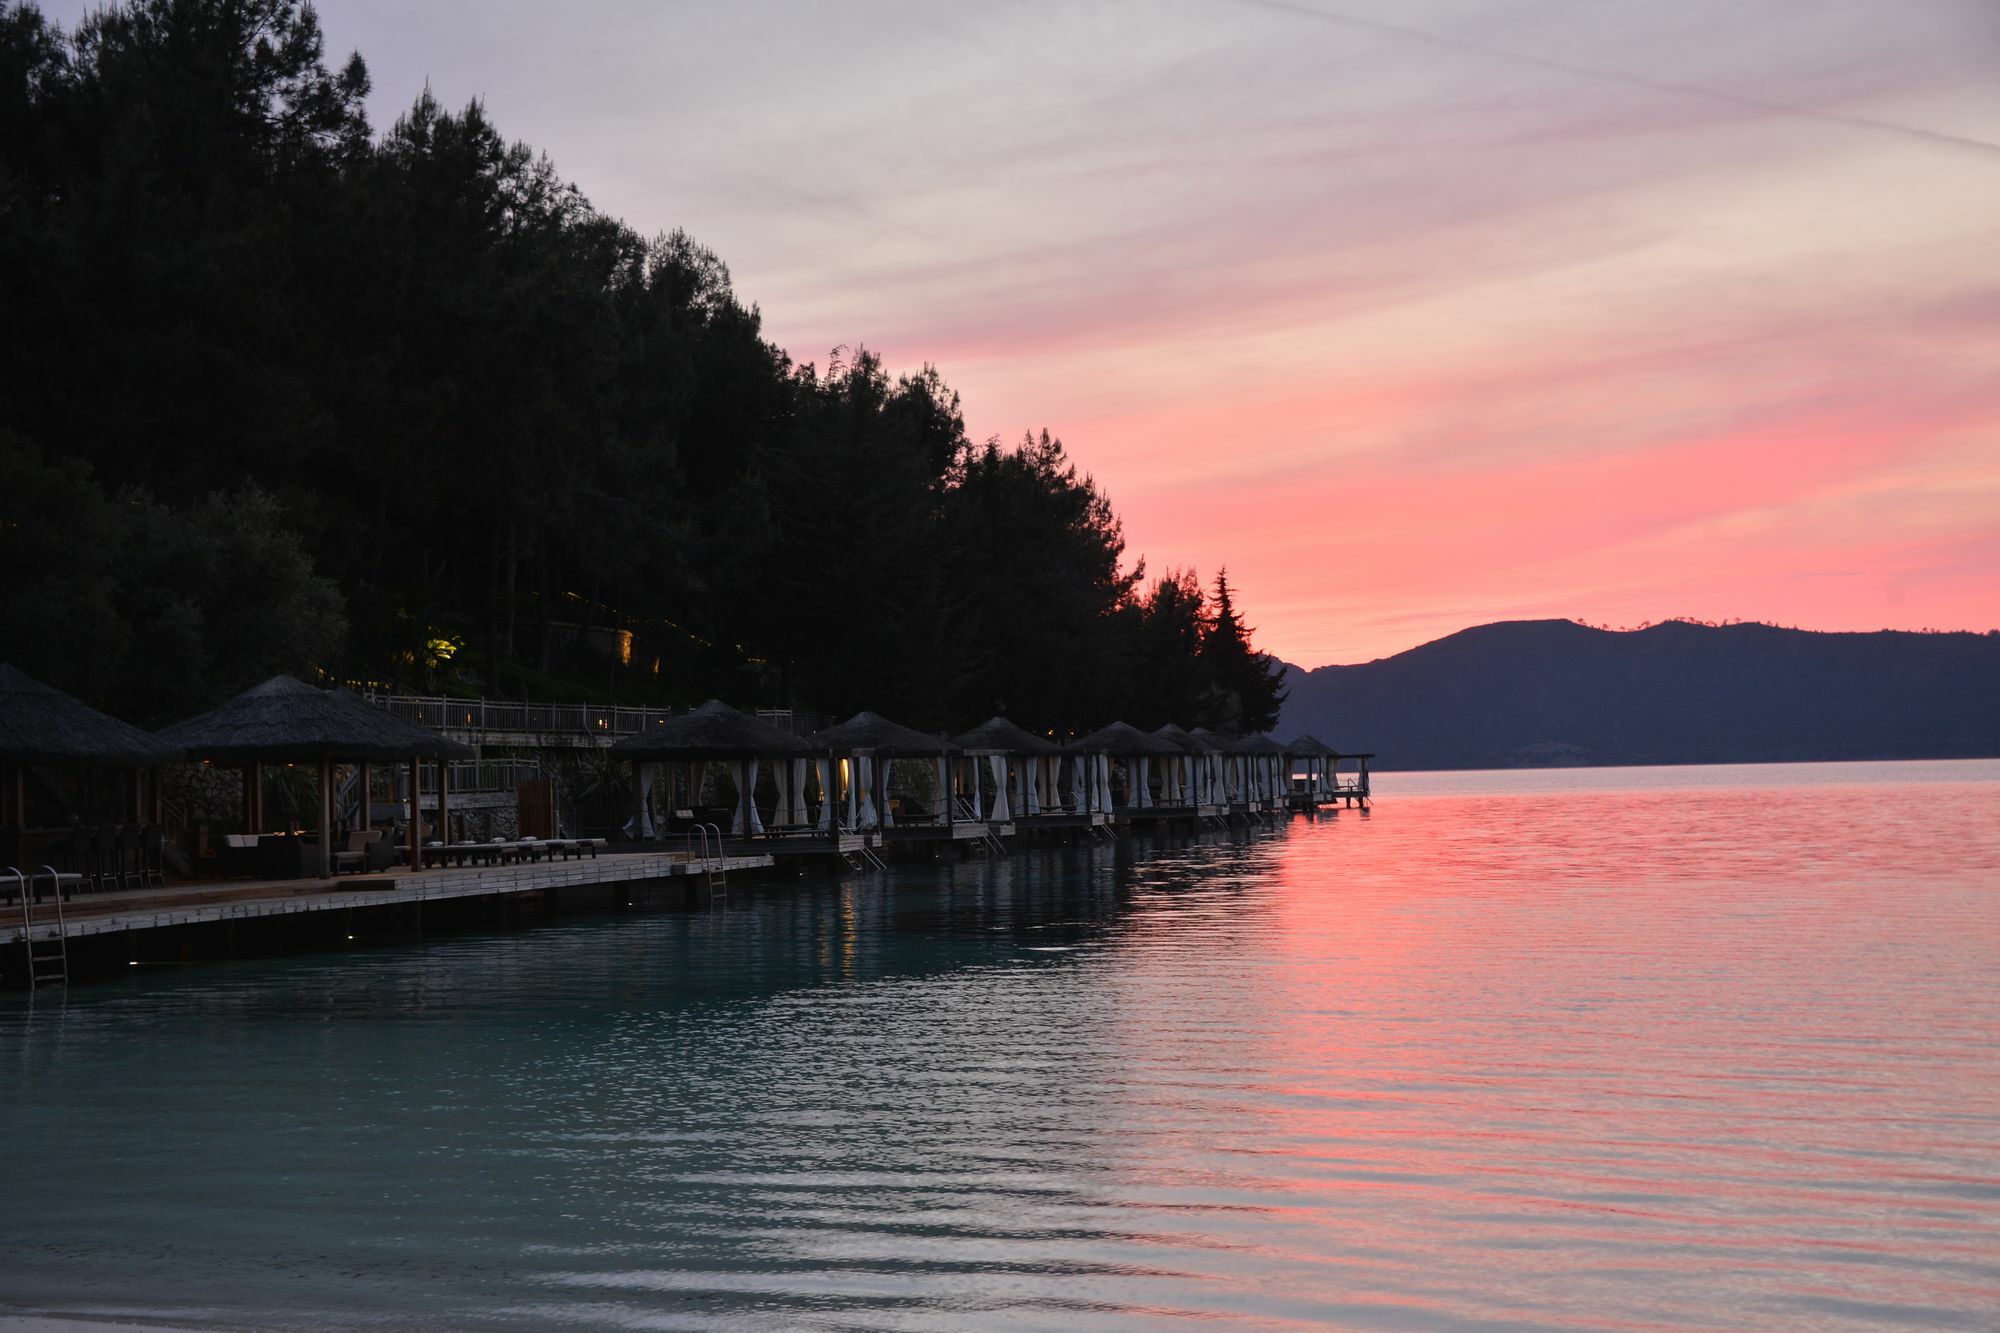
column 1698, row 1049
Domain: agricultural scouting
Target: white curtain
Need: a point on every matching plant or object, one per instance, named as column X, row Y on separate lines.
column 978, row 788
column 1142, row 769
column 1076, row 801
column 795, row 808
column 824, row 767
column 997, row 764
column 648, row 774
column 885, row 769
column 753, row 823
column 865, row 816
column 1031, row 769
column 1103, row 782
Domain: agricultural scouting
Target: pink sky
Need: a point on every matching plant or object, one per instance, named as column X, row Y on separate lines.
column 1415, row 313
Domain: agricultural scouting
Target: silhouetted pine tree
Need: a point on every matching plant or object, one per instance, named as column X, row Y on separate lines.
column 1245, row 689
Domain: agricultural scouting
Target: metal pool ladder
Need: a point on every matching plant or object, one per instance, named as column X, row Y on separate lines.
column 48, row 960
column 713, row 866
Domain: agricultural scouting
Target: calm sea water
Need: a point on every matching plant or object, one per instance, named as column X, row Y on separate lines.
column 1686, row 1048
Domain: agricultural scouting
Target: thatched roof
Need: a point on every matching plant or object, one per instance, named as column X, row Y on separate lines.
column 1185, row 741
column 1121, row 739
column 42, row 725
column 996, row 735
column 1310, row 747
column 871, row 733
column 287, row 719
column 712, row 731
column 1216, row 741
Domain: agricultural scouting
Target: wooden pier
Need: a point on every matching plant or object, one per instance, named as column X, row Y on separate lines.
column 142, row 911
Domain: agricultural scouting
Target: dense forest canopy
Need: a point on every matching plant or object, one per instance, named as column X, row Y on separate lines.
column 283, row 393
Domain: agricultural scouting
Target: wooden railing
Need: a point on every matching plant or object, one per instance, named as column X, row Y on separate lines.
column 604, row 721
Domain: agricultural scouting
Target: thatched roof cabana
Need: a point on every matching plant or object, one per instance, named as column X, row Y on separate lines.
column 286, row 720
column 714, row 731
column 996, row 735
column 1122, row 739
column 1184, row 741
column 872, row 742
column 1023, row 768
column 1184, row 776
column 872, row 734
column 1259, row 744
column 41, row 725
column 1309, row 747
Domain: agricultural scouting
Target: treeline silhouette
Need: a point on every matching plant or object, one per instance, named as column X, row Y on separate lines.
column 283, row 393
column 1543, row 692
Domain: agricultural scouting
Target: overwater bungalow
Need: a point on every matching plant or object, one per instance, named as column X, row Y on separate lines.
column 1087, row 771
column 1189, row 778
column 1264, row 767
column 285, row 721
column 1128, row 758
column 1012, row 778
column 82, row 790
column 881, row 777
column 716, row 734
column 1245, row 771
column 1224, row 769
column 1307, row 776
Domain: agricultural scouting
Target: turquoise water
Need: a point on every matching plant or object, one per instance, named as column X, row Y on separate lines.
column 1670, row 1048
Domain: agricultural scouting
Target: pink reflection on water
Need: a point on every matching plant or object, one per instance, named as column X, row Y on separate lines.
column 1722, row 1055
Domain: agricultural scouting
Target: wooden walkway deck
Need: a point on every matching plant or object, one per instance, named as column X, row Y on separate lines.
column 238, row 900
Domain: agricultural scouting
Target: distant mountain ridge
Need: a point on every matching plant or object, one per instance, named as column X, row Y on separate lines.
column 1528, row 693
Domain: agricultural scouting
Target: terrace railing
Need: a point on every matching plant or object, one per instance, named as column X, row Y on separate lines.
column 474, row 777
column 601, row 722
column 512, row 715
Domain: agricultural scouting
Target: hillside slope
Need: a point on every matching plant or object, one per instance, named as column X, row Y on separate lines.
column 1554, row 692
